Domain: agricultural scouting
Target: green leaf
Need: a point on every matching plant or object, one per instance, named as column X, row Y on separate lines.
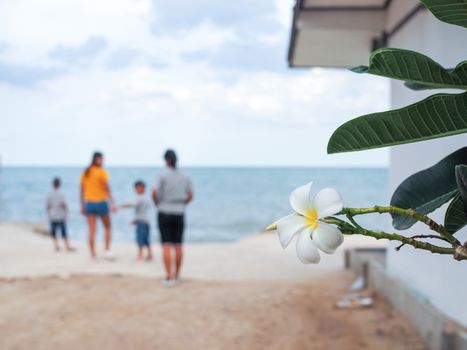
column 428, row 189
column 449, row 11
column 418, row 87
column 437, row 116
column 461, row 179
column 455, row 217
column 420, row 71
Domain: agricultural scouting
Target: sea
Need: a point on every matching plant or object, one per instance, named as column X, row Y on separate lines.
column 229, row 203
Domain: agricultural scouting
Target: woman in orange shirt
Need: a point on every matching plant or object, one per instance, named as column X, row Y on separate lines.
column 95, row 198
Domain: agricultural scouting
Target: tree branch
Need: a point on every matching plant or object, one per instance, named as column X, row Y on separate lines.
column 422, row 236
column 352, row 220
column 348, row 229
column 433, row 225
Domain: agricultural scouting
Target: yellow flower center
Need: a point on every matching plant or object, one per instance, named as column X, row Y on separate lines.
column 312, row 218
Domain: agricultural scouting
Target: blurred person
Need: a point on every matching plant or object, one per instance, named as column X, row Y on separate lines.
column 95, row 198
column 171, row 193
column 57, row 211
column 141, row 220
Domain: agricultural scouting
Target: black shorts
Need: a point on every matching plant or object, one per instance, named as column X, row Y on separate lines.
column 56, row 225
column 171, row 228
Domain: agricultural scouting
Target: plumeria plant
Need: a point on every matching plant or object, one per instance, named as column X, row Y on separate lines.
column 321, row 222
column 317, row 224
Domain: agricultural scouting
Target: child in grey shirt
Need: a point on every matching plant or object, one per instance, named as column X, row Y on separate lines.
column 57, row 212
column 141, row 220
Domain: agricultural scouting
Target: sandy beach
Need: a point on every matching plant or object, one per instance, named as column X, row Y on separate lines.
column 244, row 295
column 25, row 253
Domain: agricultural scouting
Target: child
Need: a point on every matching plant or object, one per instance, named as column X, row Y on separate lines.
column 141, row 220
column 57, row 211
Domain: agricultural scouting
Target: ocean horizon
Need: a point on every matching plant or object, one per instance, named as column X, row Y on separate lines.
column 230, row 202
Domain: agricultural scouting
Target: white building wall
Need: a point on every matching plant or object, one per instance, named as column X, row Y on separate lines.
column 439, row 279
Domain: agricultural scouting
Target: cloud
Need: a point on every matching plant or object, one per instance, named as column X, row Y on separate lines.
column 122, row 58
column 32, row 29
column 255, row 40
column 262, row 118
column 206, row 77
column 81, row 54
column 248, row 55
column 183, row 14
column 201, row 55
column 3, row 47
column 25, row 76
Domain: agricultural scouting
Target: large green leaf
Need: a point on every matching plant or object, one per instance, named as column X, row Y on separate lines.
column 418, row 70
column 428, row 189
column 455, row 217
column 418, row 87
column 461, row 179
column 437, row 116
column 449, row 11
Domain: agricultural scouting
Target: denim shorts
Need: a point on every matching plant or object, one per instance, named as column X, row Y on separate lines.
column 142, row 234
column 96, row 208
column 58, row 225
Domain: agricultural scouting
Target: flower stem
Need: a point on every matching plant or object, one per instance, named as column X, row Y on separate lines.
column 349, row 229
column 352, row 220
column 422, row 236
column 433, row 225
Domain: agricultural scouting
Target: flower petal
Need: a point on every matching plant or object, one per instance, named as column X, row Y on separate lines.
column 300, row 199
column 327, row 238
column 273, row 226
column 306, row 249
column 289, row 227
column 327, row 202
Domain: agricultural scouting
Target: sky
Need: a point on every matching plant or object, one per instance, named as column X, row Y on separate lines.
column 133, row 77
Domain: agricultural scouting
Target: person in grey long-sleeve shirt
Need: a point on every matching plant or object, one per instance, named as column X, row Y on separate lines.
column 172, row 191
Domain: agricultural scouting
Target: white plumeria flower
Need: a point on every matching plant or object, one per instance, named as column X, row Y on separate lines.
column 312, row 233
